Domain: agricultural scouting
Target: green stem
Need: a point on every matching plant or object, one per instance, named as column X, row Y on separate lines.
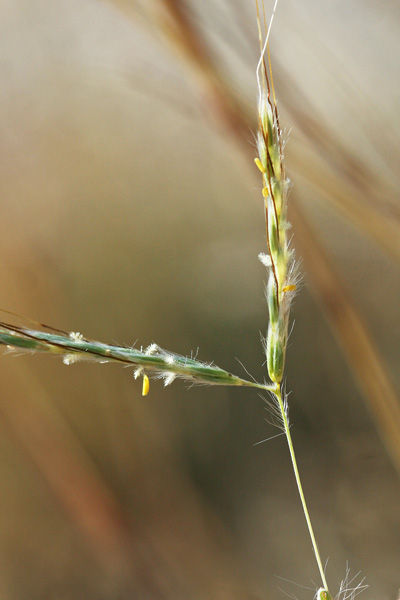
column 277, row 392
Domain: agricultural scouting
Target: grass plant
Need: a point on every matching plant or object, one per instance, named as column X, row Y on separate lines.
column 281, row 287
column 280, row 262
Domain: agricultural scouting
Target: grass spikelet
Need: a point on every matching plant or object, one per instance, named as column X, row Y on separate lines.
column 153, row 360
column 280, row 262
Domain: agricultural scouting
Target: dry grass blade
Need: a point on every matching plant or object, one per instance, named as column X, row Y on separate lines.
column 68, row 471
column 317, row 176
column 170, row 19
column 127, row 551
column 368, row 187
column 364, row 359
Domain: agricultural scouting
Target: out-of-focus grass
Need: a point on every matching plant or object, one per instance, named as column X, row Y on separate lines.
column 125, row 216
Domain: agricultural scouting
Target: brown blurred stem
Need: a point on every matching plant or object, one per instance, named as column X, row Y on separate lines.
column 376, row 218
column 40, row 433
column 170, row 19
column 362, row 355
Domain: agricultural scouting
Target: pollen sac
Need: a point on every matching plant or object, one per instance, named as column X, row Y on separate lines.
column 146, row 385
column 323, row 595
column 260, row 165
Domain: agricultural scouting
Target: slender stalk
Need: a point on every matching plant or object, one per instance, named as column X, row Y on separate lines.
column 280, row 260
column 277, row 392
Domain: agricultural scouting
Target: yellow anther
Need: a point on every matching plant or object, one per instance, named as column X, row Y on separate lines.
column 146, row 385
column 265, row 192
column 260, row 165
column 289, row 288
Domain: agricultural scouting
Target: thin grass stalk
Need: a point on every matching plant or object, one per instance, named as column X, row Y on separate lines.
column 283, row 408
column 280, row 260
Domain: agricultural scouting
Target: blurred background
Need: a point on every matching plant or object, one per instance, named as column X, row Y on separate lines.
column 131, row 211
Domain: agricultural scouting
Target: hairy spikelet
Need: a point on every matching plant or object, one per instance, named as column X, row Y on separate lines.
column 153, row 360
column 280, row 259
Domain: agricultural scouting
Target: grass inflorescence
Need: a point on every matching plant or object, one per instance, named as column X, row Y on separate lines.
column 280, row 260
column 152, row 360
